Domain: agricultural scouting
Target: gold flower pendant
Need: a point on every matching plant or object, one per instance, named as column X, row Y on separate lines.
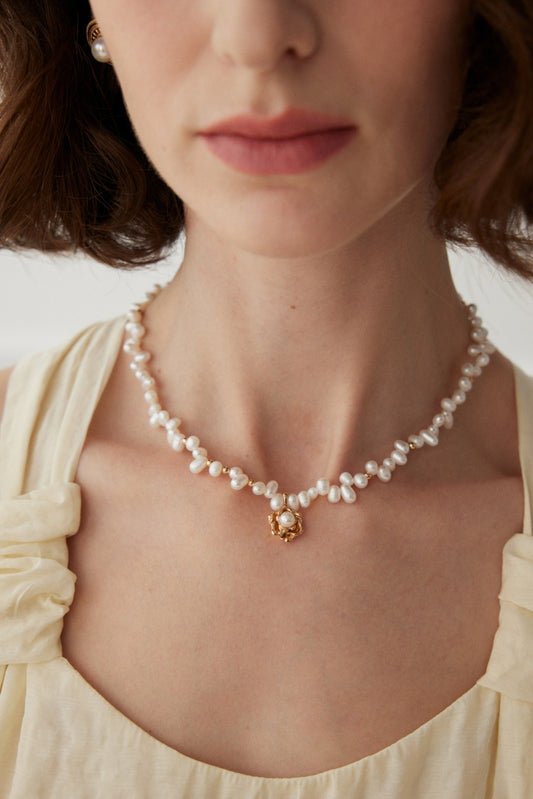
column 286, row 523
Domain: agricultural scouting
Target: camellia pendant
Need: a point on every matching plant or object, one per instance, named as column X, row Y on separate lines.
column 286, row 522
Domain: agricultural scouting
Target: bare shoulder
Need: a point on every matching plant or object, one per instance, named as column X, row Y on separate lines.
column 5, row 374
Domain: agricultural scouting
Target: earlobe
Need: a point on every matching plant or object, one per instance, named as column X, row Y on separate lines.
column 96, row 42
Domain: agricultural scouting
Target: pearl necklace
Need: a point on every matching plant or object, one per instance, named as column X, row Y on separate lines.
column 285, row 520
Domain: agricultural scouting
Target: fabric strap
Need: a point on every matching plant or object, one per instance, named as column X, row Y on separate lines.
column 50, row 401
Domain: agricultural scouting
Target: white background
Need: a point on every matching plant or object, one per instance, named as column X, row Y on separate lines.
column 44, row 300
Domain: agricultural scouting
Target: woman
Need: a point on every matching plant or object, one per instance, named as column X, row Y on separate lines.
column 322, row 155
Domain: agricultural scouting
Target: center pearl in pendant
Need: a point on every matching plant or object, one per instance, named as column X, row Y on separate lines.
column 287, row 519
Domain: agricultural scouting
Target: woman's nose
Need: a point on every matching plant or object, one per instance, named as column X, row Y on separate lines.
column 258, row 34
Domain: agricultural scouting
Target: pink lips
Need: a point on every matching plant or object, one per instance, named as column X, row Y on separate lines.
column 289, row 144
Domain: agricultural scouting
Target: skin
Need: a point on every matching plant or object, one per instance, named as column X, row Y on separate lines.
column 313, row 320
column 322, row 242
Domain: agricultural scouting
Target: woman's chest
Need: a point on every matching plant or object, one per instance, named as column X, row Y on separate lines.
column 275, row 659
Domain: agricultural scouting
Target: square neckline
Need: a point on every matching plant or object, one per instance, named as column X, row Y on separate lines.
column 449, row 710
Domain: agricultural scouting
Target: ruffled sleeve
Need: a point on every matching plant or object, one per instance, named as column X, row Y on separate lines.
column 510, row 669
column 36, row 586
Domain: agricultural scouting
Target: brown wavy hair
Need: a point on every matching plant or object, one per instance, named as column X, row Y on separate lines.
column 74, row 177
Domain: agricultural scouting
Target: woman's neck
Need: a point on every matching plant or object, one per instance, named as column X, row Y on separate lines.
column 291, row 368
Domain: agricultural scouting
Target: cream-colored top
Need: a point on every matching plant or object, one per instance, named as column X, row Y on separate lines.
column 60, row 739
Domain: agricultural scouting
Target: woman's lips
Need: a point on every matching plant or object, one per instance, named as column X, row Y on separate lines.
column 294, row 142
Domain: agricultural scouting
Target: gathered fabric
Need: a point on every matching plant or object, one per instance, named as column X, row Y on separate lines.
column 60, row 739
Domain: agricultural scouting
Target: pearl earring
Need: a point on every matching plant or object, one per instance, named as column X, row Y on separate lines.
column 96, row 42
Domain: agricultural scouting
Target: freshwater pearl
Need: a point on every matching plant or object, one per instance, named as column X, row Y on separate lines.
column 438, row 420
column 334, row 494
column 479, row 334
column 482, row 360
column 371, row 467
column 293, row 501
column 276, row 502
column 287, row 519
column 235, row 472
column 239, row 482
column 271, row 489
column 448, row 420
column 322, row 486
column 135, row 329
column 99, row 51
column 312, row 492
column 384, row 474
column 201, row 452
column 465, row 384
column 429, row 438
column 402, row 446
column 193, row 442
column 389, row 463
column 400, row 458
column 360, row 480
column 173, row 424
column 163, row 418
column 448, row 404
column 178, row 443
column 304, row 499
column 215, row 469
column 198, row 465
column 348, row 494
column 141, row 358
column 151, row 397
column 459, row 396
column 416, row 440
column 346, row 479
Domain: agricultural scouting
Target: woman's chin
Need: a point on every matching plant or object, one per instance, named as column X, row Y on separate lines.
column 282, row 244
column 279, row 235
